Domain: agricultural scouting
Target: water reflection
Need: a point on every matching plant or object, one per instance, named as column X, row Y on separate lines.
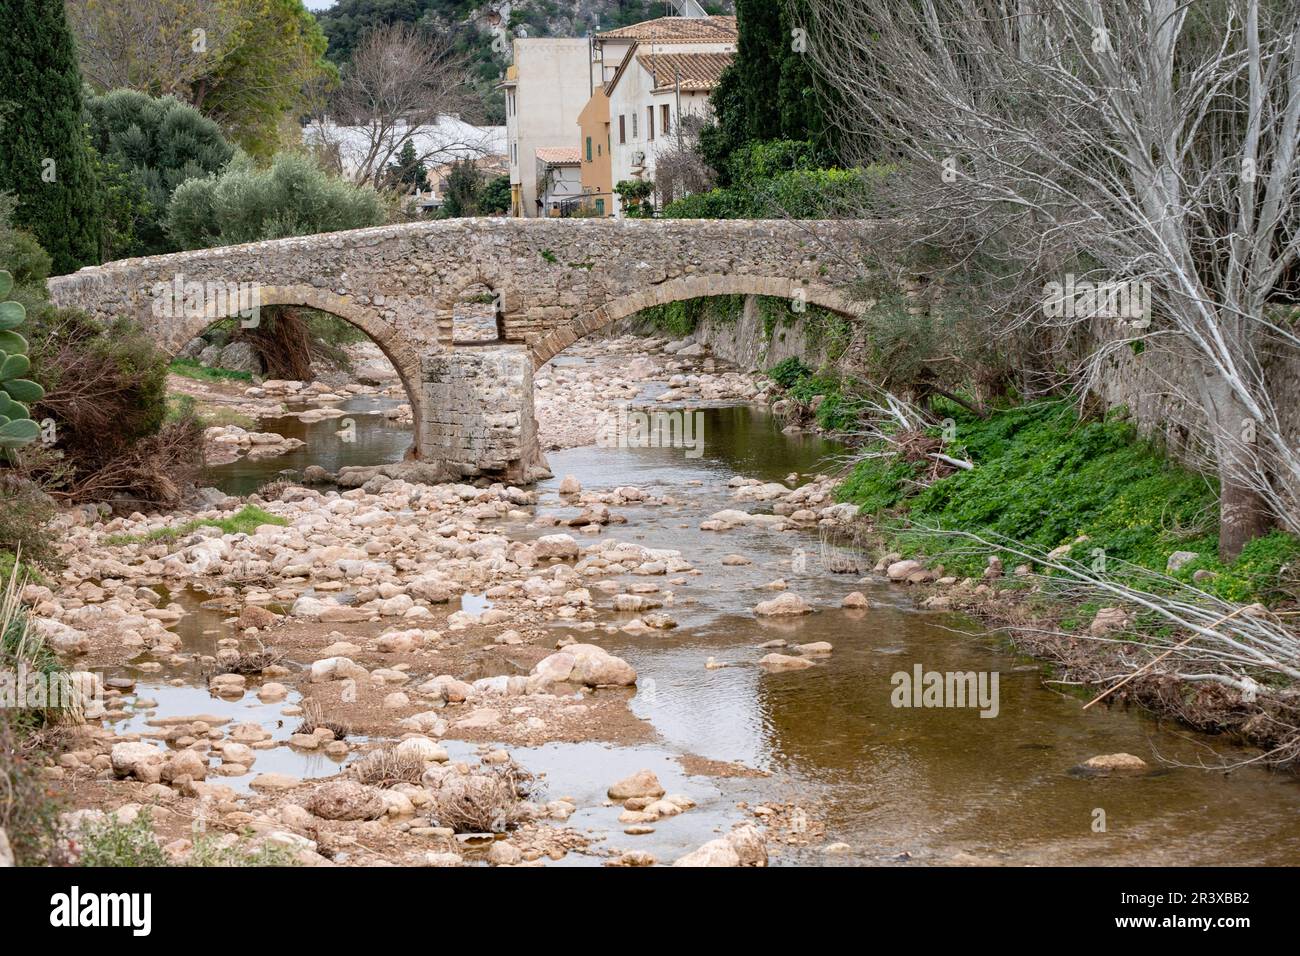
column 375, row 440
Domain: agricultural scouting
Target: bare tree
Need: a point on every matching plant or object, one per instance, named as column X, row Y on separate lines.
column 679, row 168
column 402, row 86
column 1146, row 145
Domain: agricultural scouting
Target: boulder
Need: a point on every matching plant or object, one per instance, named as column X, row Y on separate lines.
column 743, row 846
column 582, row 664
column 1108, row 620
column 1115, row 763
column 784, row 662
column 241, row 357
column 786, row 603
column 643, row 783
column 559, row 546
column 345, row 800
column 184, row 763
column 140, row 760
column 902, row 570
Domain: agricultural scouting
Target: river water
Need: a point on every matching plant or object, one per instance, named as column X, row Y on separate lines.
column 901, row 786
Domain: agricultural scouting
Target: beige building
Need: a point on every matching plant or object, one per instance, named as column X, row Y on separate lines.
column 546, row 88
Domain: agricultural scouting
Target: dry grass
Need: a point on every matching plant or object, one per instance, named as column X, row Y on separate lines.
column 251, row 663
column 313, row 718
column 485, row 801
column 387, row 768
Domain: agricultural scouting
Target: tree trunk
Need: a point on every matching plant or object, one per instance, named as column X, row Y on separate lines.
column 1243, row 513
column 1243, row 516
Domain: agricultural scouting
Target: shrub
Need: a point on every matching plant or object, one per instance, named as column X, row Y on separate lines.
column 682, row 317
column 108, row 842
column 157, row 143
column 295, row 197
column 789, row 372
column 106, row 382
column 24, row 511
column 28, row 811
column 1044, row 477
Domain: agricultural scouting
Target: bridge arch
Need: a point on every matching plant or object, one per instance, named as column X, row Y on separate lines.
column 460, row 294
column 404, row 357
column 547, row 346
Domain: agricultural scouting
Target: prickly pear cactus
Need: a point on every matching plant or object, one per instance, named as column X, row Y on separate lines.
column 16, row 393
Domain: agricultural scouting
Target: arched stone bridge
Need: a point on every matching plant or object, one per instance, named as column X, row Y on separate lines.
column 555, row 281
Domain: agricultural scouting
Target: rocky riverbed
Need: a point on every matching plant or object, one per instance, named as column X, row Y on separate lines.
column 647, row 660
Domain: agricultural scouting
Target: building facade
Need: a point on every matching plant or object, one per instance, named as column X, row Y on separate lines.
column 559, row 179
column 545, row 88
column 649, row 76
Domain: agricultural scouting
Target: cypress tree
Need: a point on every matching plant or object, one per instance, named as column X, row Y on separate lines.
column 44, row 157
column 768, row 91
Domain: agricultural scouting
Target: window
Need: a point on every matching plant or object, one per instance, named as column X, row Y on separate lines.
column 665, row 119
column 634, row 132
column 622, row 129
column 510, row 101
column 588, row 149
column 649, row 122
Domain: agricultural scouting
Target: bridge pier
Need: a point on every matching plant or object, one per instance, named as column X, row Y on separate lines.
column 476, row 417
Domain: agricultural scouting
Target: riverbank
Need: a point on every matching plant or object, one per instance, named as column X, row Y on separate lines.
column 1111, row 559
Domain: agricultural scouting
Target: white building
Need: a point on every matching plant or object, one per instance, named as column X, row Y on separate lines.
column 654, row 73
column 545, row 87
column 374, row 147
column 559, row 178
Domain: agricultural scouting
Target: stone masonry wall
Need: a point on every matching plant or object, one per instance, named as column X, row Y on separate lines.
column 479, row 419
column 557, row 281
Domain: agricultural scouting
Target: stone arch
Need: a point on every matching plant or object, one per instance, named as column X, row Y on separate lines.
column 547, row 346
column 402, row 354
column 446, row 331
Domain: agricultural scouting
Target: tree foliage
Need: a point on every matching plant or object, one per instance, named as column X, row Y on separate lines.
column 275, row 59
column 464, row 186
column 157, row 143
column 495, row 196
column 294, row 197
column 251, row 65
column 44, row 158
column 407, row 170
column 768, row 92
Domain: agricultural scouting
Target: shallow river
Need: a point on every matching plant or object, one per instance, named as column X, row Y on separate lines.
column 898, row 785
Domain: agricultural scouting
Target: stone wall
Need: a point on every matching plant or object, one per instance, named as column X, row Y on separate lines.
column 1138, row 381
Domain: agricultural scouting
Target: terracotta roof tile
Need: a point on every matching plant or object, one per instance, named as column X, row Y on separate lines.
column 677, row 29
column 698, row 71
column 560, row 155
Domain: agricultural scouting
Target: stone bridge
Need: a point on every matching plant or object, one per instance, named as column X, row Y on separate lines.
column 554, row 281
